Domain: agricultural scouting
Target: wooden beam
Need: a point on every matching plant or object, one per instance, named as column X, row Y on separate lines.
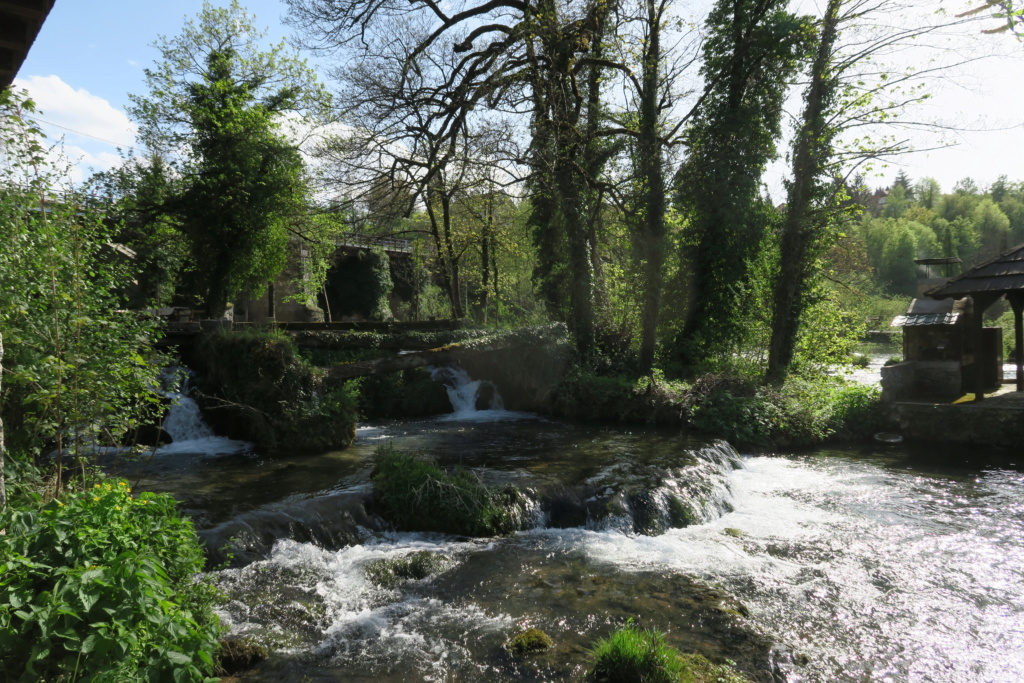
column 981, row 302
column 1017, row 303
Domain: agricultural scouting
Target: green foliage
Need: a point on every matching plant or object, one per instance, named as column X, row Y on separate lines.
column 258, row 388
column 751, row 52
column 418, row 566
column 585, row 395
column 99, row 585
column 215, row 111
column 529, row 641
column 76, row 367
column 416, row 495
column 802, row 412
column 634, row 655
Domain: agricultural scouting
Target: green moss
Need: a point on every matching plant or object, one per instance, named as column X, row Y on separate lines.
column 735, row 533
column 237, row 655
column 679, row 514
column 529, row 641
column 632, row 655
column 417, row 495
column 256, row 387
column 418, row 566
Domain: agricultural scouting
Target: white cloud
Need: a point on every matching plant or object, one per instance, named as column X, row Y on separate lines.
column 86, row 128
column 78, row 110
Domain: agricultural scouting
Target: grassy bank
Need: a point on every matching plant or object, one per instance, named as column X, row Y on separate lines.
column 801, row 412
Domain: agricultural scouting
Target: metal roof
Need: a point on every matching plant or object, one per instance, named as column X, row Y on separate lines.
column 911, row 319
column 20, row 21
column 1004, row 273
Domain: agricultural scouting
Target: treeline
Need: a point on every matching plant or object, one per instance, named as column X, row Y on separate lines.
column 916, row 220
column 599, row 163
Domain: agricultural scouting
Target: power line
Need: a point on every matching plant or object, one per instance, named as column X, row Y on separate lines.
column 78, row 132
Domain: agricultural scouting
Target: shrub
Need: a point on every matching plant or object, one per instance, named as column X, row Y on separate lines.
column 99, row 585
column 417, row 495
column 258, row 388
column 802, row 412
column 633, row 655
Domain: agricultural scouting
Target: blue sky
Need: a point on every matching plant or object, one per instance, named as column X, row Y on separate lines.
column 90, row 55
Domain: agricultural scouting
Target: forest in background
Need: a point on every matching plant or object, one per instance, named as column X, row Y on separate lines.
column 598, row 163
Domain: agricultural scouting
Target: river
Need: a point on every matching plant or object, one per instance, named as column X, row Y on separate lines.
column 869, row 563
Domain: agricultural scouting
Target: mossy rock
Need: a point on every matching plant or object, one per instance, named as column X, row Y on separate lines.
column 417, row 495
column 416, row 567
column 735, row 533
column 237, row 655
column 529, row 641
column 255, row 387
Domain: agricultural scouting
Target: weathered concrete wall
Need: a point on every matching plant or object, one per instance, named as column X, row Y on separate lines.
column 929, row 380
column 897, row 381
column 988, row 423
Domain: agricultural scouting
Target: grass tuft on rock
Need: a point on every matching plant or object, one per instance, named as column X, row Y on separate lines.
column 529, row 641
column 418, row 566
column 416, row 495
column 634, row 655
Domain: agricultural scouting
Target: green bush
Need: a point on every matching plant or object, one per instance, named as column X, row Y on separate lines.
column 802, row 412
column 257, row 387
column 633, row 655
column 416, row 495
column 98, row 585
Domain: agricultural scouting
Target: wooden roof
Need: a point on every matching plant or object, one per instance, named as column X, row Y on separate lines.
column 1004, row 273
column 20, row 21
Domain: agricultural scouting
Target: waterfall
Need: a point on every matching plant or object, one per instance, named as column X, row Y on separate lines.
column 467, row 395
column 184, row 421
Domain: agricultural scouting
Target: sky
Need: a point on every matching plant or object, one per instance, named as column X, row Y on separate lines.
column 90, row 55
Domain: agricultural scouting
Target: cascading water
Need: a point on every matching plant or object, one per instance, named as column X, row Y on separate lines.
column 862, row 564
column 468, row 396
column 184, row 421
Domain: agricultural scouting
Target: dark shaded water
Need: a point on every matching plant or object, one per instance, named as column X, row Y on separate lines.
column 856, row 564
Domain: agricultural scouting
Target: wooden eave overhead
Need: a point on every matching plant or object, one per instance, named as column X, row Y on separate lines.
column 1003, row 274
column 20, row 21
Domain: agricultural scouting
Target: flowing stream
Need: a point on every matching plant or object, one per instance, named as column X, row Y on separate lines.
column 874, row 563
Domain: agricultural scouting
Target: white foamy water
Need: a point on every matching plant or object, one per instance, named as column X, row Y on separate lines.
column 872, row 575
column 349, row 620
column 190, row 433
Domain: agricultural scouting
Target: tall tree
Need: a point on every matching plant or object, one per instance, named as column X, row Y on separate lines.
column 215, row 109
column 810, row 195
column 534, row 56
column 752, row 51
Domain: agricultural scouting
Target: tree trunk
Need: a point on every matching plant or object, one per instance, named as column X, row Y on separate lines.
column 652, row 197
column 443, row 254
column 802, row 229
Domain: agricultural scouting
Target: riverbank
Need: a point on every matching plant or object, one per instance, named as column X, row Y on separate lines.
column 996, row 421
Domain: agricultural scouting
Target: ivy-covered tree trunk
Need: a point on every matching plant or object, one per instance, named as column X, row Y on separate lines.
column 652, row 179
column 807, row 200
column 752, row 52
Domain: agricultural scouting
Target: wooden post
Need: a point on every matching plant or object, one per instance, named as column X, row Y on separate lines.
column 981, row 302
column 1017, row 303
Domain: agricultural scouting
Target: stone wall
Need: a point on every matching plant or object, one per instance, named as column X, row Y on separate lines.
column 987, row 423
